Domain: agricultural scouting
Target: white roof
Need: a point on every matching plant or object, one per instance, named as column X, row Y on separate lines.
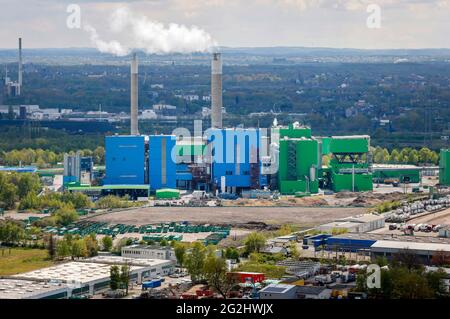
column 27, row 289
column 72, row 272
column 277, row 288
column 387, row 244
column 131, row 261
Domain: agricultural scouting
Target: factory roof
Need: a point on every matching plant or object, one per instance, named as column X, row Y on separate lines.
column 118, row 260
column 27, row 289
column 277, row 289
column 394, row 167
column 394, row 238
column 310, row 290
column 402, row 245
column 366, row 218
column 149, row 247
column 24, row 169
column 72, row 272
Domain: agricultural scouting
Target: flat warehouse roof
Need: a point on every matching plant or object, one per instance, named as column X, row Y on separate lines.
column 27, row 289
column 72, row 272
column 402, row 245
column 114, row 260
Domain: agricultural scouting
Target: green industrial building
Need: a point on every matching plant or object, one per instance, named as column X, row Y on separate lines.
column 444, row 167
column 349, row 164
column 402, row 173
column 298, row 161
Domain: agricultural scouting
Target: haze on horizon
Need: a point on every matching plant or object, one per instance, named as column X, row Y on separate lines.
column 405, row 24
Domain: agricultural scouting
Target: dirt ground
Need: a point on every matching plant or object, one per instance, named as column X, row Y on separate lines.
column 304, row 216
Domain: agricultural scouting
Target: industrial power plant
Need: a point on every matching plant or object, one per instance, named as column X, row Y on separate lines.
column 228, row 161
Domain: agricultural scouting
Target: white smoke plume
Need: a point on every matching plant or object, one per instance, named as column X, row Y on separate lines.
column 113, row 47
column 151, row 36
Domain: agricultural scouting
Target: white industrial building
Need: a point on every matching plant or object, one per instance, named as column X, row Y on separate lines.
column 28, row 289
column 357, row 224
column 286, row 291
column 278, row 291
column 423, row 250
column 149, row 252
column 85, row 277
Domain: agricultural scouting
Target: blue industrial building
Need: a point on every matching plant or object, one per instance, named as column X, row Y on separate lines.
column 125, row 160
column 235, row 160
column 349, row 242
column 153, row 160
column 162, row 162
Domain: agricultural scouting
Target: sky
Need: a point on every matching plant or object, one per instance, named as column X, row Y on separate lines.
column 233, row 23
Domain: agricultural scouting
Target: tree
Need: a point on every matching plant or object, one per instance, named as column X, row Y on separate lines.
column 163, row 243
column 114, row 277
column 195, row 261
column 121, row 243
column 65, row 215
column 28, row 184
column 51, row 246
column 293, row 250
column 254, row 242
column 11, row 232
column 406, row 258
column 62, row 248
column 8, row 195
column 232, row 253
column 107, row 243
column 125, row 273
column 180, row 253
column 91, row 245
column 78, row 249
column 215, row 270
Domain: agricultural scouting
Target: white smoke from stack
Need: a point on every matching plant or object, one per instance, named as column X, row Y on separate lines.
column 151, row 36
column 113, row 47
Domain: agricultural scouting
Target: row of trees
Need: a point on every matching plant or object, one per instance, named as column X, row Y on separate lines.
column 54, row 201
column 76, row 246
column 406, row 155
column 46, row 158
column 405, row 277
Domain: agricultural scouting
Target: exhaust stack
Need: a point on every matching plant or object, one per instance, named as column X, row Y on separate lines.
column 20, row 63
column 134, row 96
column 216, row 91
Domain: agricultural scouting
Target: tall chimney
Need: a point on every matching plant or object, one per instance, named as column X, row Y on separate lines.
column 134, row 96
column 216, row 91
column 20, row 63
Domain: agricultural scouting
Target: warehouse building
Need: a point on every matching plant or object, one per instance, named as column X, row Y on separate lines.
column 93, row 275
column 28, row 289
column 358, row 224
column 149, row 252
column 278, row 291
column 286, row 291
column 423, row 251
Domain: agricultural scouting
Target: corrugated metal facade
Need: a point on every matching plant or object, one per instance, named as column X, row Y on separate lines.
column 125, row 160
column 162, row 167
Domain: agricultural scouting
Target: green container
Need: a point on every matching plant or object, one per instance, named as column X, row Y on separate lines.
column 167, row 193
